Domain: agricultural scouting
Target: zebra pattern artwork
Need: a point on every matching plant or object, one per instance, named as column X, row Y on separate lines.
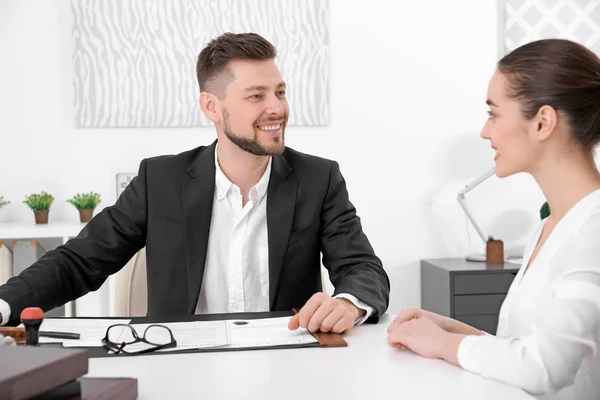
column 134, row 60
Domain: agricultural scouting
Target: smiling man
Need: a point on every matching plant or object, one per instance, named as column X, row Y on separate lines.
column 237, row 226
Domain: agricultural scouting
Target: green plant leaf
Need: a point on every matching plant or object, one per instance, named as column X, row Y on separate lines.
column 39, row 202
column 3, row 202
column 85, row 201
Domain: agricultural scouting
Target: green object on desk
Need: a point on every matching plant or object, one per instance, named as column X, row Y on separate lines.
column 545, row 211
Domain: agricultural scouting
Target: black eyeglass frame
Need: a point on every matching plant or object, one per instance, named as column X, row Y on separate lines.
column 120, row 347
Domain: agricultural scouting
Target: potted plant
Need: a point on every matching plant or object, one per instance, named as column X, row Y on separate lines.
column 85, row 203
column 3, row 202
column 40, row 205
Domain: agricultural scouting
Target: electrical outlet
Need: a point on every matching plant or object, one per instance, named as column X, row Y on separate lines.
column 123, row 179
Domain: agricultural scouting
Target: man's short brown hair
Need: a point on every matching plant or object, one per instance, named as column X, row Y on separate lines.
column 213, row 61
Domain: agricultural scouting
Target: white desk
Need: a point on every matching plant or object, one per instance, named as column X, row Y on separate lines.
column 367, row 369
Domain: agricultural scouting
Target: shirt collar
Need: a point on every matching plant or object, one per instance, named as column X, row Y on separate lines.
column 258, row 192
column 223, row 185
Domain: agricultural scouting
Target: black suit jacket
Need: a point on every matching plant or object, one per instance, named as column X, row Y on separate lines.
column 168, row 207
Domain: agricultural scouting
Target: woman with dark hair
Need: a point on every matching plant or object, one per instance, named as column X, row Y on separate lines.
column 544, row 119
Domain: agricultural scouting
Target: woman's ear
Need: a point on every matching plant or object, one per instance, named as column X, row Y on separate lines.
column 546, row 121
column 210, row 106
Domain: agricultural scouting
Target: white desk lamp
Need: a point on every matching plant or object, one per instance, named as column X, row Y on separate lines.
column 463, row 204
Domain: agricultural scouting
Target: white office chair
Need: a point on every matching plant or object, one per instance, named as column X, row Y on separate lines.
column 325, row 282
column 131, row 292
column 6, row 263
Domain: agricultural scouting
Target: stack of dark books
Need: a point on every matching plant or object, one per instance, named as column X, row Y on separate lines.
column 31, row 372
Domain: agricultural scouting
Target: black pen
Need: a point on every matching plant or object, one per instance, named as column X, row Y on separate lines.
column 60, row 335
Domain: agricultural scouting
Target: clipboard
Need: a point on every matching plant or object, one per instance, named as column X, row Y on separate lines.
column 323, row 339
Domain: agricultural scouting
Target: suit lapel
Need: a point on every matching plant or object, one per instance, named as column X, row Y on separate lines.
column 281, row 203
column 197, row 198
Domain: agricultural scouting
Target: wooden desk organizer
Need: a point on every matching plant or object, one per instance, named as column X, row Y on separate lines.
column 494, row 251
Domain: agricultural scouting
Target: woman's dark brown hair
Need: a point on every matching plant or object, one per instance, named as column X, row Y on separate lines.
column 562, row 74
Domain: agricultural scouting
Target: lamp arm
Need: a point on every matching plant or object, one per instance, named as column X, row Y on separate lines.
column 461, row 201
column 477, row 181
column 463, row 204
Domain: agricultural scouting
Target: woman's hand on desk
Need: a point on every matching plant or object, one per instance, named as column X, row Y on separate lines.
column 411, row 313
column 426, row 338
column 428, row 334
column 447, row 324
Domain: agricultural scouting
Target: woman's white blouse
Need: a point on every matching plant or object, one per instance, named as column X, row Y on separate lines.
column 548, row 335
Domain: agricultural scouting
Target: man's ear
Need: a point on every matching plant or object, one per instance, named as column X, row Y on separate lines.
column 210, row 106
column 546, row 121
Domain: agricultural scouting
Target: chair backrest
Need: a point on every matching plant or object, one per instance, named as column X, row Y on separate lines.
column 325, row 282
column 6, row 264
column 131, row 292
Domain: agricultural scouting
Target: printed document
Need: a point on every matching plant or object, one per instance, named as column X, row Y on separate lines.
column 92, row 331
column 234, row 333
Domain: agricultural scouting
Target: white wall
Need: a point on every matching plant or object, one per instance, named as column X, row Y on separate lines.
column 408, row 88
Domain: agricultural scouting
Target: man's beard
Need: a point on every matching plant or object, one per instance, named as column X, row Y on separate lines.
column 252, row 146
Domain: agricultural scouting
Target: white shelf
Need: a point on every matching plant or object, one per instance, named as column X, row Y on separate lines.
column 30, row 231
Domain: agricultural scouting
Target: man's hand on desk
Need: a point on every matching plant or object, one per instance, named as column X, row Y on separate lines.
column 326, row 314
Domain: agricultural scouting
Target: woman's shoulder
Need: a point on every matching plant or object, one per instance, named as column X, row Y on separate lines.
column 591, row 226
column 584, row 246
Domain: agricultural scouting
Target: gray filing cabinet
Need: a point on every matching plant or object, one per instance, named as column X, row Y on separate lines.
column 471, row 292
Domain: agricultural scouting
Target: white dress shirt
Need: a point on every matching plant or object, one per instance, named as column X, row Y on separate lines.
column 236, row 272
column 548, row 338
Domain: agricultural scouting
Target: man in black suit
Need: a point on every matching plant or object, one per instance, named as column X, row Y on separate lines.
column 235, row 226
